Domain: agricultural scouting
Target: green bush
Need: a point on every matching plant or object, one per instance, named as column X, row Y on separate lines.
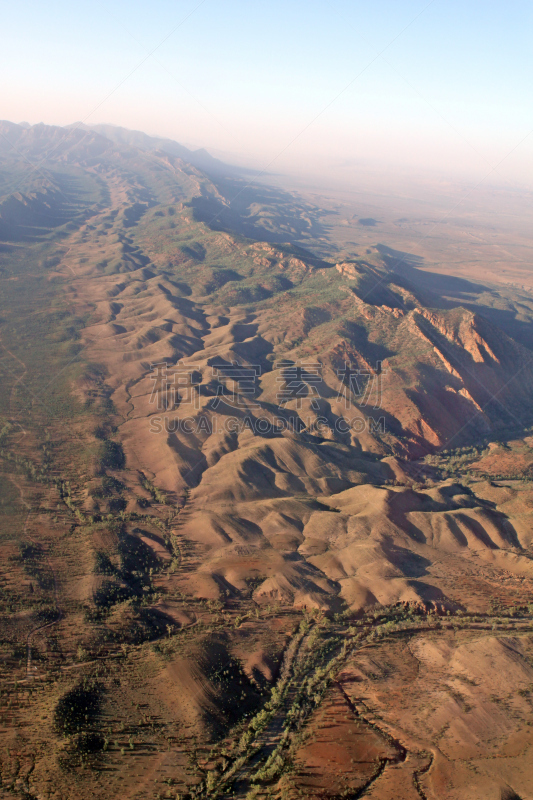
column 111, row 455
column 77, row 709
column 103, row 564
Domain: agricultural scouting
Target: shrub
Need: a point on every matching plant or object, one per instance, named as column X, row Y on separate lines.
column 110, row 593
column 77, row 709
column 103, row 564
column 111, row 455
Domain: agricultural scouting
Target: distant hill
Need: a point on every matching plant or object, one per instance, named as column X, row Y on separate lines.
column 49, row 141
column 199, row 158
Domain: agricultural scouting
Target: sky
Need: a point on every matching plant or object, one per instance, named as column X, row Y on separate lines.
column 442, row 86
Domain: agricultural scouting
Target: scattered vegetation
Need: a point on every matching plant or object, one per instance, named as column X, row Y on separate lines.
column 77, row 710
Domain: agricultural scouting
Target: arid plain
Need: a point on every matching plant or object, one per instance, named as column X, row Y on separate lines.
column 266, row 462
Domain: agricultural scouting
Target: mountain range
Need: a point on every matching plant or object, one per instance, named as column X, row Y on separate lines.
column 251, row 488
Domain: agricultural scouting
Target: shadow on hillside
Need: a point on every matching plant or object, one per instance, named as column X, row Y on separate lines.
column 63, row 201
column 445, row 292
column 373, row 352
column 258, row 211
column 444, row 287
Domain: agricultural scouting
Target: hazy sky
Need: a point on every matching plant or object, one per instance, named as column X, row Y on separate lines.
column 445, row 84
